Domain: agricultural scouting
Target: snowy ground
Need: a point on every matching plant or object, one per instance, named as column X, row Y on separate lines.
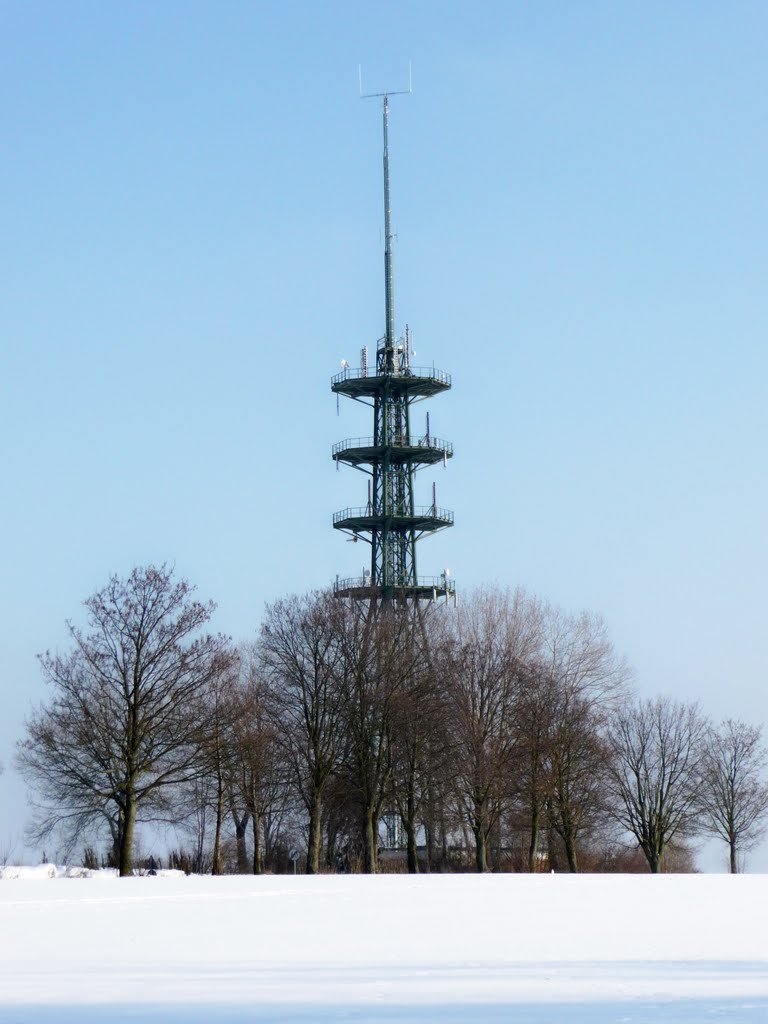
column 499, row 948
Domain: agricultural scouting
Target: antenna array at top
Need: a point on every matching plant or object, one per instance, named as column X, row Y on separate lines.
column 394, row 92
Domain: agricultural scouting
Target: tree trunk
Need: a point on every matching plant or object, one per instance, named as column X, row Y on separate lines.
column 480, row 832
column 570, row 853
column 569, row 839
column 241, row 828
column 481, row 852
column 553, row 856
column 117, row 829
column 216, row 866
column 429, row 842
column 256, row 824
column 533, row 846
column 369, row 842
column 734, row 862
column 126, row 838
column 566, row 830
column 430, row 831
column 332, row 857
column 494, row 842
column 653, row 858
column 313, row 845
column 411, row 849
column 409, row 824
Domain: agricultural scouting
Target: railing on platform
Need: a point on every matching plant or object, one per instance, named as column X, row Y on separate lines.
column 423, row 372
column 398, row 441
column 367, row 512
column 440, row 584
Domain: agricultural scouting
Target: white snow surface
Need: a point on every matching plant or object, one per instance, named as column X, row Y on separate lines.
column 494, row 948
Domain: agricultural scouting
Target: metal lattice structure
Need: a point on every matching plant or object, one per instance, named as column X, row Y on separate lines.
column 391, row 521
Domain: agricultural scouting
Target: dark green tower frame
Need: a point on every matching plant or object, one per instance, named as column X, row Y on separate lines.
column 391, row 521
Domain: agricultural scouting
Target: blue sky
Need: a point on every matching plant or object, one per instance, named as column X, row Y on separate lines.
column 190, row 197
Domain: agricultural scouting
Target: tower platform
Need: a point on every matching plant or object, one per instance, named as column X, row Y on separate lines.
column 364, row 451
column 427, row 519
column 414, row 382
column 425, row 588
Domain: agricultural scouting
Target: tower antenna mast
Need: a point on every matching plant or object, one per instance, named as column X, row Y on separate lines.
column 391, row 522
column 389, row 298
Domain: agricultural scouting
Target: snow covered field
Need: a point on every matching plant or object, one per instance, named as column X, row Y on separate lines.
column 497, row 948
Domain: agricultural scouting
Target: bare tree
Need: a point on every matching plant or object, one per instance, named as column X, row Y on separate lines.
column 300, row 653
column 216, row 768
column 420, row 744
column 587, row 681
column 122, row 727
column 495, row 635
column 654, row 772
column 733, row 791
column 223, row 766
column 531, row 764
column 260, row 771
column 196, row 802
column 382, row 651
column 579, row 758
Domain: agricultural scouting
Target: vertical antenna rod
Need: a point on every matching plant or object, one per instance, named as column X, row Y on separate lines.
column 389, row 334
column 388, row 291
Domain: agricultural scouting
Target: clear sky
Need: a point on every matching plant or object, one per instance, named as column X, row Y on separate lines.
column 190, row 210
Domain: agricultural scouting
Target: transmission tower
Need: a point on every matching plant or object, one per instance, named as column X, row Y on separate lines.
column 391, row 522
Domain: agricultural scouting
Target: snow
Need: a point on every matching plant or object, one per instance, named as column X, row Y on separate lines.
column 393, row 948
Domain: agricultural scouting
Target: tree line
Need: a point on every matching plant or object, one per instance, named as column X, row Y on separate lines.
column 502, row 734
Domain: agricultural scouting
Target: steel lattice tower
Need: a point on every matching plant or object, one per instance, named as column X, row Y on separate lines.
column 391, row 521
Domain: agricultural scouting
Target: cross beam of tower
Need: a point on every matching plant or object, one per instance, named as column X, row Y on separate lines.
column 391, row 522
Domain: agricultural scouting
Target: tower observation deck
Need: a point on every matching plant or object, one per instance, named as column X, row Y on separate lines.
column 390, row 521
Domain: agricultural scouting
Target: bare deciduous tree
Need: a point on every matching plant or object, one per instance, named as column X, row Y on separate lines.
column 579, row 763
column 122, row 727
column 260, row 770
column 217, row 727
column 420, row 744
column 587, row 681
column 495, row 635
column 382, row 654
column 531, row 768
column 654, row 771
column 300, row 653
column 733, row 791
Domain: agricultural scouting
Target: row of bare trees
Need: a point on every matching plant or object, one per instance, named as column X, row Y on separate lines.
column 503, row 730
